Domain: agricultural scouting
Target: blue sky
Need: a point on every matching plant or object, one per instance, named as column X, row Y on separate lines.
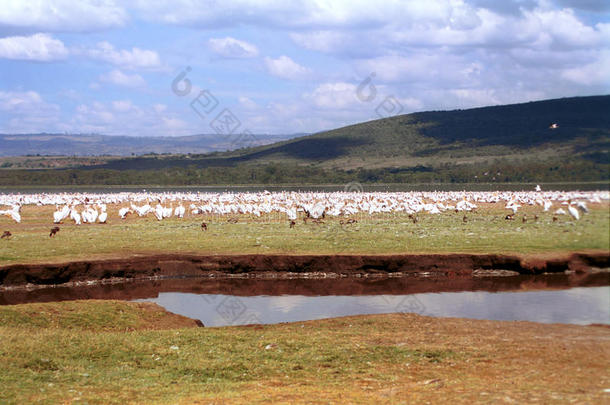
column 102, row 66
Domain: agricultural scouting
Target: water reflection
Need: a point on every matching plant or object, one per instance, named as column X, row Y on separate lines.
column 576, row 306
column 131, row 290
column 565, row 298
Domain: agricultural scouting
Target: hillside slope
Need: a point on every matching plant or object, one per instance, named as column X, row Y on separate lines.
column 444, row 136
column 510, row 143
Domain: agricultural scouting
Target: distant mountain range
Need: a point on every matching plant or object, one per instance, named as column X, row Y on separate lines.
column 557, row 140
column 577, row 127
column 88, row 145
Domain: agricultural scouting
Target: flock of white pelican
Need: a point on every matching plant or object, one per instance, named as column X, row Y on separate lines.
column 92, row 208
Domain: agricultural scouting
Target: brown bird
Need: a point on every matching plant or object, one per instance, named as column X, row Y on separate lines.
column 465, row 219
column 349, row 221
column 6, row 234
column 509, row 217
column 554, row 218
column 204, row 226
column 54, row 231
column 524, row 219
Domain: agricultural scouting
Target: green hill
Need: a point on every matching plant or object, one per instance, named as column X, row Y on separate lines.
column 431, row 138
column 500, row 143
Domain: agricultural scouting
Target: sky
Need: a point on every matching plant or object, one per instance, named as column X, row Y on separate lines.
column 183, row 67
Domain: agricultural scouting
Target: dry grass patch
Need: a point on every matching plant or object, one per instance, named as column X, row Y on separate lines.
column 364, row 359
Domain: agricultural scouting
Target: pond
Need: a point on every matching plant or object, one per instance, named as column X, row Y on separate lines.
column 557, row 298
column 577, row 306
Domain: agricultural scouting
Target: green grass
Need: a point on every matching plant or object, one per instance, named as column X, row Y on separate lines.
column 485, row 231
column 77, row 359
column 50, row 356
column 96, row 317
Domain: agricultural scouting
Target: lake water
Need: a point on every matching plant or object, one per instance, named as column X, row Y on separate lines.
column 576, row 306
column 322, row 188
column 562, row 298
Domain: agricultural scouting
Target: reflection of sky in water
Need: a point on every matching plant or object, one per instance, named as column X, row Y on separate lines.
column 577, row 306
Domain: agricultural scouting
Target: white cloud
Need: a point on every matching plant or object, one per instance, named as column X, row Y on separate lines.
column 122, row 79
column 334, row 95
column 60, row 15
column 123, row 117
column 316, row 14
column 324, row 41
column 454, row 25
column 564, row 29
column 595, row 73
column 14, row 101
column 122, row 105
column 135, row 59
column 93, row 116
column 26, row 111
column 286, row 68
column 419, row 65
column 247, row 103
column 38, row 47
column 174, row 126
column 160, row 108
column 232, row 48
column 437, row 54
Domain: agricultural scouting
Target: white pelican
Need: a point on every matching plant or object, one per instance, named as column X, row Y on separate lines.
column 75, row 216
column 60, row 215
column 159, row 212
column 179, row 211
column 15, row 215
column 547, row 205
column 574, row 212
column 167, row 211
column 123, row 212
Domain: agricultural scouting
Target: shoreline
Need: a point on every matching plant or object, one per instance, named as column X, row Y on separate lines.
column 146, row 267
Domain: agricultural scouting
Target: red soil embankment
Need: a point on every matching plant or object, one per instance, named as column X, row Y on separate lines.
column 274, row 284
column 177, row 265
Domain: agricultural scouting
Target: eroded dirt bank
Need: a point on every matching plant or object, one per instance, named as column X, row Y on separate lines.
column 177, row 265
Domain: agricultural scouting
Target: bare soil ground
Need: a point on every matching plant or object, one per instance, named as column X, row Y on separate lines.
column 176, row 265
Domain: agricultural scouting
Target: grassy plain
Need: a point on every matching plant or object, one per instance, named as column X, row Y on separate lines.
column 120, row 352
column 484, row 231
column 116, row 352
